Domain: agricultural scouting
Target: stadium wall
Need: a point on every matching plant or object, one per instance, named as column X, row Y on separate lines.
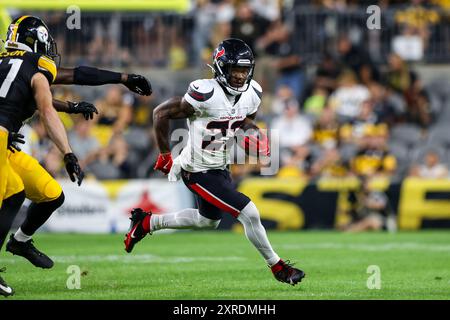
column 284, row 204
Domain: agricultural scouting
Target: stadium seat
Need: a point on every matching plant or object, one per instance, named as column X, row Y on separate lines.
column 440, row 136
column 399, row 150
column 407, row 134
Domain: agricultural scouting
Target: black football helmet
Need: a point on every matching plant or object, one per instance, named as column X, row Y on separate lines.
column 232, row 53
column 31, row 34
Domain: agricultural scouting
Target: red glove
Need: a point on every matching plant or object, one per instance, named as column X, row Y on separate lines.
column 164, row 162
column 257, row 145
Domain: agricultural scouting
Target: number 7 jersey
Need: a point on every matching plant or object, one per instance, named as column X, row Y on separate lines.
column 17, row 68
column 212, row 128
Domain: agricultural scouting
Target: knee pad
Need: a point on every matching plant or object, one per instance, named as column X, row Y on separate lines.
column 250, row 212
column 52, row 190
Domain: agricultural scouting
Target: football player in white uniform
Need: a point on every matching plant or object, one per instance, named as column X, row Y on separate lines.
column 215, row 109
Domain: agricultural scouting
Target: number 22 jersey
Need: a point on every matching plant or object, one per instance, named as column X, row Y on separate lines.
column 212, row 128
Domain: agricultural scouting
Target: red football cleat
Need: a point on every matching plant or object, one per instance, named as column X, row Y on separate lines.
column 284, row 272
column 137, row 231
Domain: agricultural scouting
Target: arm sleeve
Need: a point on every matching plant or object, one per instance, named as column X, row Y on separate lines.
column 95, row 77
column 48, row 67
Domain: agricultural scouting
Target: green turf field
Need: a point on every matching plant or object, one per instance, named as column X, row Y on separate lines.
column 224, row 265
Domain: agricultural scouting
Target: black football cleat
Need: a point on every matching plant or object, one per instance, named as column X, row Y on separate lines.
column 285, row 272
column 5, row 290
column 29, row 252
column 136, row 231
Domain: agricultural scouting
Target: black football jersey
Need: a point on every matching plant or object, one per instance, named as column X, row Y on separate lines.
column 16, row 95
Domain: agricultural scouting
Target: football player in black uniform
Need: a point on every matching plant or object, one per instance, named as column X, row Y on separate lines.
column 40, row 187
column 27, row 70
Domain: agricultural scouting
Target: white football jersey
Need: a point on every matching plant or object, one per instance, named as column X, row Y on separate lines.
column 212, row 127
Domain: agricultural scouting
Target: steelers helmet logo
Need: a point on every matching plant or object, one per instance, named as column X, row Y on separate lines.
column 42, row 34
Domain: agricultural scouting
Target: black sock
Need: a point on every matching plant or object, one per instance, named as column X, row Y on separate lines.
column 8, row 213
column 38, row 213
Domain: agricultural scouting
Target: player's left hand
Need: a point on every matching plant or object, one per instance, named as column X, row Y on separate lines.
column 164, row 162
column 85, row 108
column 73, row 168
column 257, row 144
column 13, row 139
column 138, row 84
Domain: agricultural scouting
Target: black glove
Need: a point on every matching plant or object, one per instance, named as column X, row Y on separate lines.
column 73, row 168
column 138, row 84
column 86, row 108
column 13, row 139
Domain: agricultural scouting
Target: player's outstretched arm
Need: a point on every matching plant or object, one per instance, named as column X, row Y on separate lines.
column 91, row 76
column 174, row 108
column 85, row 108
column 53, row 125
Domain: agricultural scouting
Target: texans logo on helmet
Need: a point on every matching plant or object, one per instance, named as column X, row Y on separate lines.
column 220, row 53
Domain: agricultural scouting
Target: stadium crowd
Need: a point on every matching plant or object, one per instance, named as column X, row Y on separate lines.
column 348, row 114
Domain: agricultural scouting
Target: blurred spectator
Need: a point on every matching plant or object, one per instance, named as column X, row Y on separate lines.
column 418, row 106
column 282, row 49
column 326, row 130
column 143, row 110
column 53, row 162
column 364, row 125
column 178, row 59
column 248, row 26
column 111, row 162
column 417, row 20
column 83, row 143
column 398, row 75
column 316, row 102
column 371, row 210
column 295, row 131
column 268, row 9
column 326, row 74
column 326, row 158
column 357, row 59
column 283, row 94
column 373, row 158
column 348, row 97
column 41, row 143
column 115, row 110
column 432, row 168
column 386, row 104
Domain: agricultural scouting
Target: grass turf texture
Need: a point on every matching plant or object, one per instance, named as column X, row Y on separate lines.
column 224, row 265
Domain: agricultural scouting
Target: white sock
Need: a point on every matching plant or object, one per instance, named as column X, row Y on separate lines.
column 255, row 232
column 21, row 237
column 184, row 219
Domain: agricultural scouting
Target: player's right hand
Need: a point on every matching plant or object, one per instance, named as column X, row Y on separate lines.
column 73, row 168
column 13, row 139
column 86, row 108
column 164, row 162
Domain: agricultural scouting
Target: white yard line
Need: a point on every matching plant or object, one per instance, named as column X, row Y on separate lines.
column 405, row 246
column 142, row 258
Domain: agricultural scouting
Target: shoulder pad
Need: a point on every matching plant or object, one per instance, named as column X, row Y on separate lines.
column 256, row 88
column 201, row 90
column 47, row 65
